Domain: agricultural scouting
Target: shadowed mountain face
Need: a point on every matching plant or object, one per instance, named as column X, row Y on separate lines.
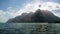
column 38, row 16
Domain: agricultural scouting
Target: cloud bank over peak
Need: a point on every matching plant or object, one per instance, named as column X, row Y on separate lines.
column 31, row 7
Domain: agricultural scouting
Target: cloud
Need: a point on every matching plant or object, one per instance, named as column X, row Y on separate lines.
column 2, row 18
column 57, row 14
column 50, row 6
column 31, row 7
column 7, row 14
column 27, row 8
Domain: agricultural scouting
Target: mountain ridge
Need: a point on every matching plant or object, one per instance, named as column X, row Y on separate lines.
column 38, row 16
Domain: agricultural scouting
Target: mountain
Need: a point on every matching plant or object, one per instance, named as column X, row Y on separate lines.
column 38, row 16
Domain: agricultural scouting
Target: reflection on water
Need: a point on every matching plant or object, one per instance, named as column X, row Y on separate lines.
column 29, row 28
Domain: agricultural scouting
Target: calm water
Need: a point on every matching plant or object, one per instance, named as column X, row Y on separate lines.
column 23, row 28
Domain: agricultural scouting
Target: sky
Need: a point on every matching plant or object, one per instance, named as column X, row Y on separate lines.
column 12, row 8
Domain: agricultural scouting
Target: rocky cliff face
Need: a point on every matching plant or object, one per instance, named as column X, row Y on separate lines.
column 38, row 16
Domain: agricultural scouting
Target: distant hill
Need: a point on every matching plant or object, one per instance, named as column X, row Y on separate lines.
column 38, row 16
